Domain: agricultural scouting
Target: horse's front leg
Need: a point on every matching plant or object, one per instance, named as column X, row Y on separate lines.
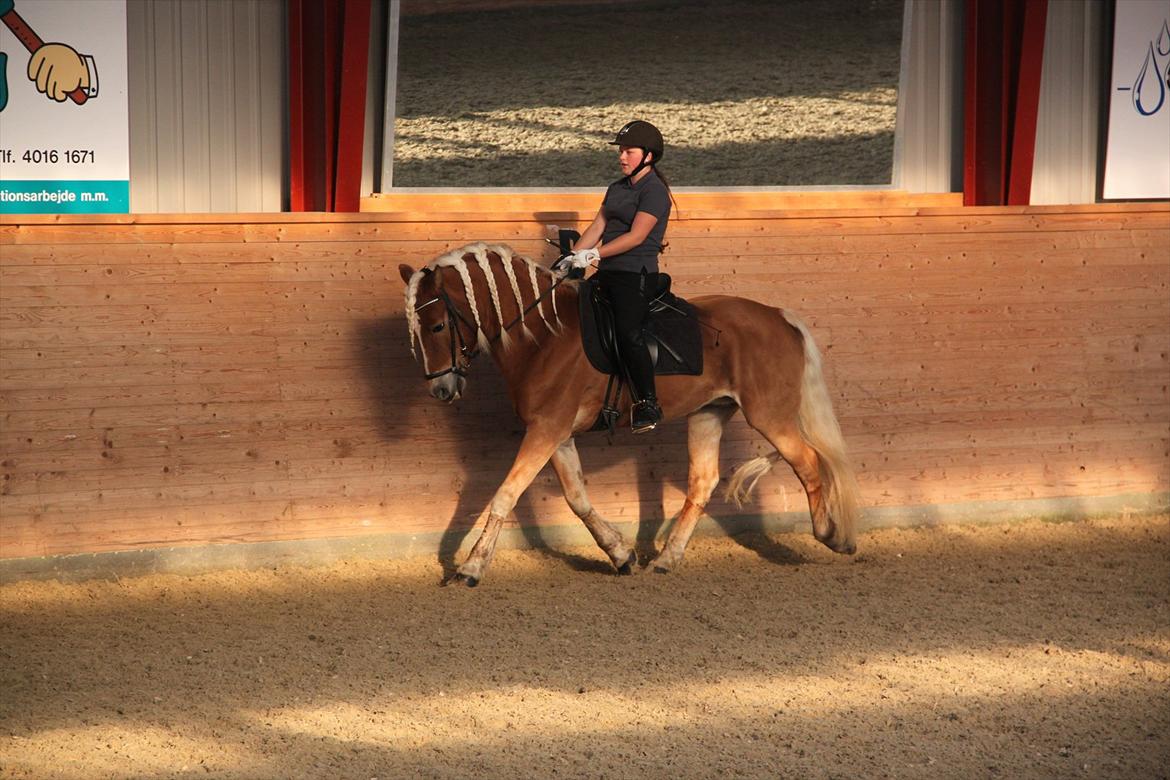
column 567, row 463
column 535, row 450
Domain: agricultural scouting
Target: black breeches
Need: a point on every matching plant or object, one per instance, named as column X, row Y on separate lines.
column 629, row 295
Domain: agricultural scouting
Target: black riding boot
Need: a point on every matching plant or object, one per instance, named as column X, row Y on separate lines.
column 628, row 296
column 645, row 415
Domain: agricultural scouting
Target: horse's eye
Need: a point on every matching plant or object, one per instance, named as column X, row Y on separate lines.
column 438, row 327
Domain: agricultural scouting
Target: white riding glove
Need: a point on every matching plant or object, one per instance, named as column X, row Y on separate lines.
column 583, row 258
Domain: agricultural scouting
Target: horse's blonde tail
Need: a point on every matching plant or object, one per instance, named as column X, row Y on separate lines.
column 819, row 428
column 743, row 479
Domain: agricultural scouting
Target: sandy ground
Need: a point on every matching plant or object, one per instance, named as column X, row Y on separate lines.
column 746, row 92
column 1017, row 651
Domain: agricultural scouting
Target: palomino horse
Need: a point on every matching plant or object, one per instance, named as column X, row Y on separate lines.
column 487, row 299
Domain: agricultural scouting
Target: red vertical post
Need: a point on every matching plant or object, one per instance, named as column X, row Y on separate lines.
column 330, row 31
column 328, row 54
column 983, row 136
column 1027, row 103
column 1004, row 57
column 296, row 107
column 351, row 123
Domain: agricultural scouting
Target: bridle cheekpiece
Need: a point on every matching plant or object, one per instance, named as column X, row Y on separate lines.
column 462, row 353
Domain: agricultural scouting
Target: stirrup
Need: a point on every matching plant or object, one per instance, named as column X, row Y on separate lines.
column 645, row 416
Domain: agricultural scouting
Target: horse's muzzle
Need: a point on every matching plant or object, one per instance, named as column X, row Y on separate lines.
column 448, row 388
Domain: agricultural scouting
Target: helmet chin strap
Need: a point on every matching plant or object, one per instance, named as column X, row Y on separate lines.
column 641, row 165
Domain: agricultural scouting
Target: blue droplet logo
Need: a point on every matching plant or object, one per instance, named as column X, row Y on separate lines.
column 1149, row 92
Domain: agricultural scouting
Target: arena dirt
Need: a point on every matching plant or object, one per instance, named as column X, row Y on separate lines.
column 1022, row 650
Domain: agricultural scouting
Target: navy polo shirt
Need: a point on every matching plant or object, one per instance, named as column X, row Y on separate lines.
column 622, row 201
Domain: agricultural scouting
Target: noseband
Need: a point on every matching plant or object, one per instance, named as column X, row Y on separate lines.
column 462, row 355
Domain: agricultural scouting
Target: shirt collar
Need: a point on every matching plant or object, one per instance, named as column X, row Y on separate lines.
column 640, row 183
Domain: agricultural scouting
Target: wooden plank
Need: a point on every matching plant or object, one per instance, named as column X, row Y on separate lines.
column 736, row 202
column 283, row 289
column 587, row 202
column 920, row 226
column 300, row 264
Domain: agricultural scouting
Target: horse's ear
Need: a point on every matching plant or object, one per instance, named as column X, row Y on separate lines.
column 406, row 272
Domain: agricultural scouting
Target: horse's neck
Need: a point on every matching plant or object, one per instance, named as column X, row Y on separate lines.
column 524, row 346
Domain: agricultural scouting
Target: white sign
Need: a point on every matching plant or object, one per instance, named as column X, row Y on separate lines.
column 1137, row 157
column 64, row 108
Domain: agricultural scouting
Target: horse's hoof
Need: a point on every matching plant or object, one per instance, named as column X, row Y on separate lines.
column 663, row 565
column 463, row 579
column 627, row 568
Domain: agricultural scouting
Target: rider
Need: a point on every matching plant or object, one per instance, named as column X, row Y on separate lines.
column 625, row 240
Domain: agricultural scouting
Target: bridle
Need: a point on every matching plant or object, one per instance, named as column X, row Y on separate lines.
column 462, row 355
column 466, row 351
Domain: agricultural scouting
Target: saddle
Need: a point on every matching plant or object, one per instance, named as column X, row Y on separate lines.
column 671, row 332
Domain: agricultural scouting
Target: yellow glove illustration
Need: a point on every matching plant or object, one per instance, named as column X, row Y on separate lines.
column 58, row 70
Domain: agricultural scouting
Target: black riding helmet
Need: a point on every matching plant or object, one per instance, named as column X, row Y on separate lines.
column 644, row 136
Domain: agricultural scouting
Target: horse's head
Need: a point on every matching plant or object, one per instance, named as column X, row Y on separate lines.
column 446, row 339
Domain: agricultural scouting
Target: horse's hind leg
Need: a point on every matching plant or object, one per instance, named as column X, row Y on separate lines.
column 805, row 464
column 704, row 431
column 567, row 464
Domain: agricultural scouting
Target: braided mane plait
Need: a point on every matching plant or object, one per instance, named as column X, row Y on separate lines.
column 482, row 254
column 536, row 296
column 481, row 257
column 455, row 260
column 510, row 272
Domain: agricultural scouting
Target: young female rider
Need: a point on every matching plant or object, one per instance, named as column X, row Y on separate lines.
column 625, row 240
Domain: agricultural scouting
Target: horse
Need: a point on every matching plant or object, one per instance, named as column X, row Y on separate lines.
column 763, row 361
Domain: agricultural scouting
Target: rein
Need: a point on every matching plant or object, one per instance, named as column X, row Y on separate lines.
column 529, row 308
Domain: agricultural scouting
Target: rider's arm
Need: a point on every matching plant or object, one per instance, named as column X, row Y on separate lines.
column 592, row 235
column 643, row 224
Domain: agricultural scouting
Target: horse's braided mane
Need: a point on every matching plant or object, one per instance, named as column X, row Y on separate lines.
column 483, row 255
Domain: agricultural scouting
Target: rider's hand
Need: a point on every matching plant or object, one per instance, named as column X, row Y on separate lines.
column 583, row 258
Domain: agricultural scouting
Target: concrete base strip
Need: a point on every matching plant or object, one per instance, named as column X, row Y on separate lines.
column 318, row 552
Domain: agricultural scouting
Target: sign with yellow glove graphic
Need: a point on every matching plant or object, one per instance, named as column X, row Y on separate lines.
column 64, row 110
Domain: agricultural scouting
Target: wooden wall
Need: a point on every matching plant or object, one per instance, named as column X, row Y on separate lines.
column 187, row 380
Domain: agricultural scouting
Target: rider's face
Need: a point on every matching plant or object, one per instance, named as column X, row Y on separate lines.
column 629, row 157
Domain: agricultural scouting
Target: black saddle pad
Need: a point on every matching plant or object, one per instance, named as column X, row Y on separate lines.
column 672, row 331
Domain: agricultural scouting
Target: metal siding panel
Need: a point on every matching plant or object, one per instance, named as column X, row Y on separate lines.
column 169, row 131
column 927, row 98
column 1066, row 132
column 247, row 108
column 375, row 89
column 221, row 115
column 906, row 147
column 193, row 107
column 143, row 146
column 206, row 97
column 1092, row 76
column 272, row 88
column 916, row 102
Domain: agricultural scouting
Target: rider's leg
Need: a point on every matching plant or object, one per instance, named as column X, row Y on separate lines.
column 628, row 294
